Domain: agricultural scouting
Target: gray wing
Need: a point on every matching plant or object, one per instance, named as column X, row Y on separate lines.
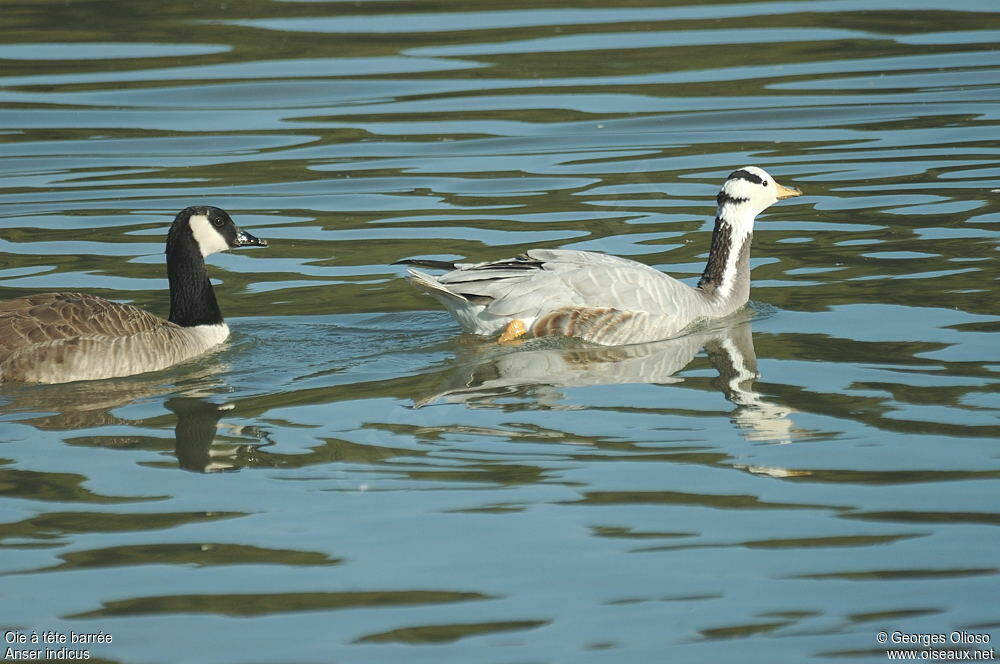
column 546, row 279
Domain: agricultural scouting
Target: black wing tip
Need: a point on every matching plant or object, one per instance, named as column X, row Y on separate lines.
column 425, row 262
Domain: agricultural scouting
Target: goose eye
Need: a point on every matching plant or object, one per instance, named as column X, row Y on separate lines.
column 218, row 222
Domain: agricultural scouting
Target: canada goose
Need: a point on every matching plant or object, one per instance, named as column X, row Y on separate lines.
column 605, row 299
column 63, row 337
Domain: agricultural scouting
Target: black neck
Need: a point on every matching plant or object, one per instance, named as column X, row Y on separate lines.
column 723, row 236
column 192, row 298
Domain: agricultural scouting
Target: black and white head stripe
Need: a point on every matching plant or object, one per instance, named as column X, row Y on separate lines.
column 745, row 174
column 748, row 185
column 725, row 198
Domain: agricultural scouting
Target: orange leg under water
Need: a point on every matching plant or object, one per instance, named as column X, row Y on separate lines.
column 514, row 330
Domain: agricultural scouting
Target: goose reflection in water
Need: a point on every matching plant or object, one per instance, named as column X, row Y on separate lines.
column 198, row 425
column 544, row 364
column 87, row 405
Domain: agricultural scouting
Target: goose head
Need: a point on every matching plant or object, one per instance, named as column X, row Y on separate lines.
column 211, row 229
column 747, row 192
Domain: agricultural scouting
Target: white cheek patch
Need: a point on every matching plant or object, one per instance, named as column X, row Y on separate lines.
column 209, row 240
column 747, row 200
column 742, row 188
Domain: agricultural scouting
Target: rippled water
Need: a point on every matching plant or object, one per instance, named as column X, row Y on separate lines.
column 780, row 487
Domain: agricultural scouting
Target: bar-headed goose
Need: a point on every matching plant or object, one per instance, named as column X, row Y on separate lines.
column 63, row 337
column 605, row 299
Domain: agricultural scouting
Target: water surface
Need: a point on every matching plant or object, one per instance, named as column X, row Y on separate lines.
column 350, row 479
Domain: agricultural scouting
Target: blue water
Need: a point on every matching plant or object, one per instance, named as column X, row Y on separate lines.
column 351, row 479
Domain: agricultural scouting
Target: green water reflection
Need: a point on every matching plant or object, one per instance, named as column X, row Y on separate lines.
column 360, row 482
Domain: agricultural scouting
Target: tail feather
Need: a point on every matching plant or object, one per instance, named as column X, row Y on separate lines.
column 428, row 284
column 466, row 311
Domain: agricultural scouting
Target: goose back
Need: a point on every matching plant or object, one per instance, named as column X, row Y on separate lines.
column 63, row 337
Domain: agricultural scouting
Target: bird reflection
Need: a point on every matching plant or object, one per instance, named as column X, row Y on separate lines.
column 77, row 407
column 731, row 352
column 198, row 425
column 548, row 364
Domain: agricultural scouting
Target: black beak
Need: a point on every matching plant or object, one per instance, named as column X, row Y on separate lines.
column 244, row 239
